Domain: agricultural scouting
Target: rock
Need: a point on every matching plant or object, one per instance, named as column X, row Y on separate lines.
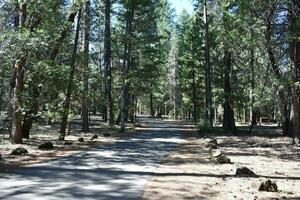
column 81, row 139
column 216, row 153
column 0, row 157
column 222, row 160
column 94, row 137
column 211, row 143
column 244, row 172
column 268, row 186
column 107, row 135
column 19, row 151
column 68, row 143
column 46, row 146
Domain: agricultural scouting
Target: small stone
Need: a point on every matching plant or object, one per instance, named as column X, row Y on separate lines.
column 107, row 135
column 81, row 139
column 223, row 160
column 46, row 146
column 68, row 143
column 254, row 185
column 244, row 172
column 94, row 137
column 268, row 186
column 19, row 151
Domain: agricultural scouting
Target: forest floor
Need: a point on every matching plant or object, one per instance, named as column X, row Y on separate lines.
column 193, row 174
column 43, row 132
column 161, row 160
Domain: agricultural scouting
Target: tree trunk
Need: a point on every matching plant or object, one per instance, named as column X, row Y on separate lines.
column 28, row 118
column 252, row 98
column 63, row 34
column 67, row 102
column 126, row 65
column 108, row 62
column 295, row 57
column 194, row 95
column 283, row 95
column 208, row 91
column 17, row 85
column 228, row 118
column 151, row 105
column 16, row 132
column 85, row 110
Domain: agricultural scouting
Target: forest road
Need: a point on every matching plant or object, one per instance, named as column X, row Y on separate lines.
column 116, row 171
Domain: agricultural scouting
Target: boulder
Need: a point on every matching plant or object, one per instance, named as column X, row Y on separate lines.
column 19, row 151
column 81, row 139
column 211, row 143
column 268, row 186
column 244, row 172
column 94, row 137
column 216, row 153
column 68, row 143
column 222, row 160
column 107, row 135
column 46, row 146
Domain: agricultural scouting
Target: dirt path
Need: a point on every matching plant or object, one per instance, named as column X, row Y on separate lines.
column 114, row 171
column 189, row 172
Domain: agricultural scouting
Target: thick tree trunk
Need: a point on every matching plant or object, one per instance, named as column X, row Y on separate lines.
column 295, row 57
column 85, row 110
column 228, row 118
column 16, row 131
column 126, row 65
column 283, row 95
column 67, row 101
column 17, row 84
column 29, row 115
column 208, row 79
column 102, row 74
column 108, row 62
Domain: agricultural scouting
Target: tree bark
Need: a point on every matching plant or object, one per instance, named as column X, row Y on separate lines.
column 283, row 95
column 108, row 62
column 151, row 105
column 252, row 97
column 126, row 65
column 29, row 115
column 67, row 102
column 295, row 57
column 228, row 118
column 17, row 84
column 85, row 110
column 208, row 79
column 63, row 34
column 194, row 95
